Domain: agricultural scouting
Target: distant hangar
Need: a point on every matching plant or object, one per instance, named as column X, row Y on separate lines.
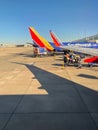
column 93, row 38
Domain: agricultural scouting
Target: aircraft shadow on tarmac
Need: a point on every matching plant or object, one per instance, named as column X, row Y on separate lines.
column 67, row 106
column 65, row 65
column 58, row 64
column 24, row 54
column 88, row 76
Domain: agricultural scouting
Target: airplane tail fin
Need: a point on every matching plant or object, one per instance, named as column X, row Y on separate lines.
column 39, row 40
column 55, row 39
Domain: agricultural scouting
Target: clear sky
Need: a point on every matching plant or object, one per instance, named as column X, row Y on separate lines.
column 69, row 19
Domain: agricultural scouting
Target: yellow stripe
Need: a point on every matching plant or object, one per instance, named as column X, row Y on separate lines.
column 47, row 44
column 35, row 32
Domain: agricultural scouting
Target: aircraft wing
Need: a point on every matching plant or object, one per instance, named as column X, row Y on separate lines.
column 84, row 50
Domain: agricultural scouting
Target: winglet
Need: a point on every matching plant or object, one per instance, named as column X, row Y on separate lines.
column 93, row 59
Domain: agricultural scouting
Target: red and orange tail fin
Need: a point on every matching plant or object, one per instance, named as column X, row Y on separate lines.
column 55, row 39
column 39, row 40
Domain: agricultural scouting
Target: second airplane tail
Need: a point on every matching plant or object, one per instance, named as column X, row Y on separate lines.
column 55, row 39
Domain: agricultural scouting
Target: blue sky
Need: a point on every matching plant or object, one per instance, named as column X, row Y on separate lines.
column 69, row 19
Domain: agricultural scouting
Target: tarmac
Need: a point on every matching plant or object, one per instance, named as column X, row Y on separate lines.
column 41, row 94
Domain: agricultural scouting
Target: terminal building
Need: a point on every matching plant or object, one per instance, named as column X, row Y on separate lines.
column 93, row 38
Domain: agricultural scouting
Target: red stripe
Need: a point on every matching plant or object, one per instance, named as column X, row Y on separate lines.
column 36, row 39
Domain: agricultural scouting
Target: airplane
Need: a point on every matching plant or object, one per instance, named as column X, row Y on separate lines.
column 90, row 48
column 57, row 42
column 39, row 40
column 85, row 48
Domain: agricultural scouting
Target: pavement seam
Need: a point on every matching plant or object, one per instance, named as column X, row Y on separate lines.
column 82, row 100
column 15, row 108
column 53, row 113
